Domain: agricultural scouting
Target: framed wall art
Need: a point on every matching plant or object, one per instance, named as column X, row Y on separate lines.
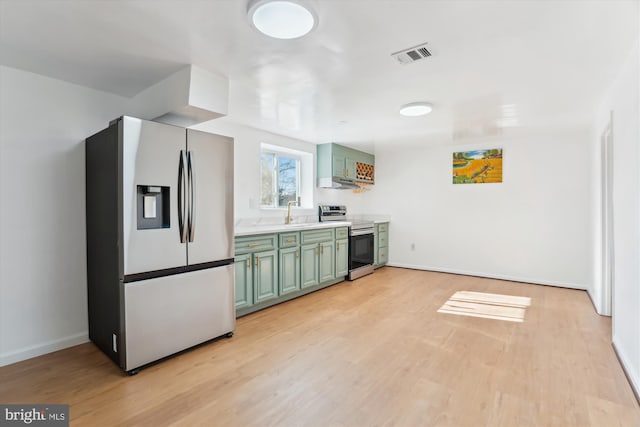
column 477, row 167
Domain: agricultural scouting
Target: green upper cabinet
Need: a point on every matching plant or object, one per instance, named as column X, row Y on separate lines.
column 344, row 167
column 349, row 168
column 338, row 167
column 338, row 164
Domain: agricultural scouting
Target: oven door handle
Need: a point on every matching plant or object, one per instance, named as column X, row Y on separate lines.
column 362, row 232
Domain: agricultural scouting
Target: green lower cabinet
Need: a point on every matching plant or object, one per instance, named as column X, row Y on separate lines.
column 265, row 282
column 375, row 246
column 244, row 281
column 317, row 263
column 289, row 270
column 277, row 267
column 327, row 261
column 383, row 256
column 381, row 244
column 383, row 238
column 342, row 257
column 309, row 268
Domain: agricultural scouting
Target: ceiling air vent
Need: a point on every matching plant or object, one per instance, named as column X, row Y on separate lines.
column 413, row 54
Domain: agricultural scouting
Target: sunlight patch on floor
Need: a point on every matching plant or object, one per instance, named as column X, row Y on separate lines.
column 490, row 306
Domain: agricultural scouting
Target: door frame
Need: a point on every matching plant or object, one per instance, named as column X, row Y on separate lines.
column 607, row 218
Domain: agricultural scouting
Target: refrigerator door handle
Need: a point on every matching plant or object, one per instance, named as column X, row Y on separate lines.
column 182, row 193
column 191, row 195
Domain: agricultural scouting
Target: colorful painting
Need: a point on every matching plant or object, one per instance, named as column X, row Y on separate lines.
column 477, row 167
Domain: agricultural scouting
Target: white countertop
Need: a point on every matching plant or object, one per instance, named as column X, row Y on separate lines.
column 380, row 221
column 376, row 219
column 248, row 230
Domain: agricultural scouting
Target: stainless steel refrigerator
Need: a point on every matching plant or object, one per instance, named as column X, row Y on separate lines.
column 159, row 202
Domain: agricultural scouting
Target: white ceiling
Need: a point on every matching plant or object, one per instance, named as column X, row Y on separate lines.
column 552, row 60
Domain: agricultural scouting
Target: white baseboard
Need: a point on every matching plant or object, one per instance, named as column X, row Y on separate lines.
column 597, row 307
column 627, row 368
column 44, row 348
column 489, row 275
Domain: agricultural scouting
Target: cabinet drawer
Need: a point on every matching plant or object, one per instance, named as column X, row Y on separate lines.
column 383, row 255
column 383, row 239
column 313, row 236
column 289, row 239
column 263, row 242
column 342, row 232
column 383, row 227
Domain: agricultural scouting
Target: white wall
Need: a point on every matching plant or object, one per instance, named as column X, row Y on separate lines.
column 247, row 174
column 623, row 99
column 356, row 203
column 535, row 226
column 531, row 227
column 43, row 123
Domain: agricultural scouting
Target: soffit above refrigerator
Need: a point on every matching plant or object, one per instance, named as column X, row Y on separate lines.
column 186, row 98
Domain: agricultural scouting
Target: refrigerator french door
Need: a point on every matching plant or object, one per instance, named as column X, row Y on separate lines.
column 173, row 228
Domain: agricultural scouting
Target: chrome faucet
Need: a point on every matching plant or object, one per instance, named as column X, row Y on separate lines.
column 288, row 219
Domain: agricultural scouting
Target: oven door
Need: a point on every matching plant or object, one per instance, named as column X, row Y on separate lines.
column 360, row 251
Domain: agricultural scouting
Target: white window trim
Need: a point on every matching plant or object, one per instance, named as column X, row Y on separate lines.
column 278, row 154
column 305, row 167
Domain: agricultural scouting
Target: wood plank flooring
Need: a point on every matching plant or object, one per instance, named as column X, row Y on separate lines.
column 373, row 352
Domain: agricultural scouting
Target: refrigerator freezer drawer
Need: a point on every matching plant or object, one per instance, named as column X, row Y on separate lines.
column 169, row 314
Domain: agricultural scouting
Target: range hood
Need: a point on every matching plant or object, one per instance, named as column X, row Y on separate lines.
column 337, row 183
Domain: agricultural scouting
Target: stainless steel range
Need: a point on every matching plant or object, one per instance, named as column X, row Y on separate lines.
column 360, row 239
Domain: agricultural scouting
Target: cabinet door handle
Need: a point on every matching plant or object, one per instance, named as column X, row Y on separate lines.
column 298, row 253
column 252, row 245
column 338, row 247
column 257, row 260
column 248, row 263
column 290, row 240
column 321, row 249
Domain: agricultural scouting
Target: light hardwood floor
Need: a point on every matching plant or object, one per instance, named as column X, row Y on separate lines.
column 365, row 353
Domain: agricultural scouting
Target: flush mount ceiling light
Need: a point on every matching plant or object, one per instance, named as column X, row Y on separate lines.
column 416, row 109
column 281, row 19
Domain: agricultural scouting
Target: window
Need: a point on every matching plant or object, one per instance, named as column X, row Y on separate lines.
column 280, row 179
column 286, row 174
